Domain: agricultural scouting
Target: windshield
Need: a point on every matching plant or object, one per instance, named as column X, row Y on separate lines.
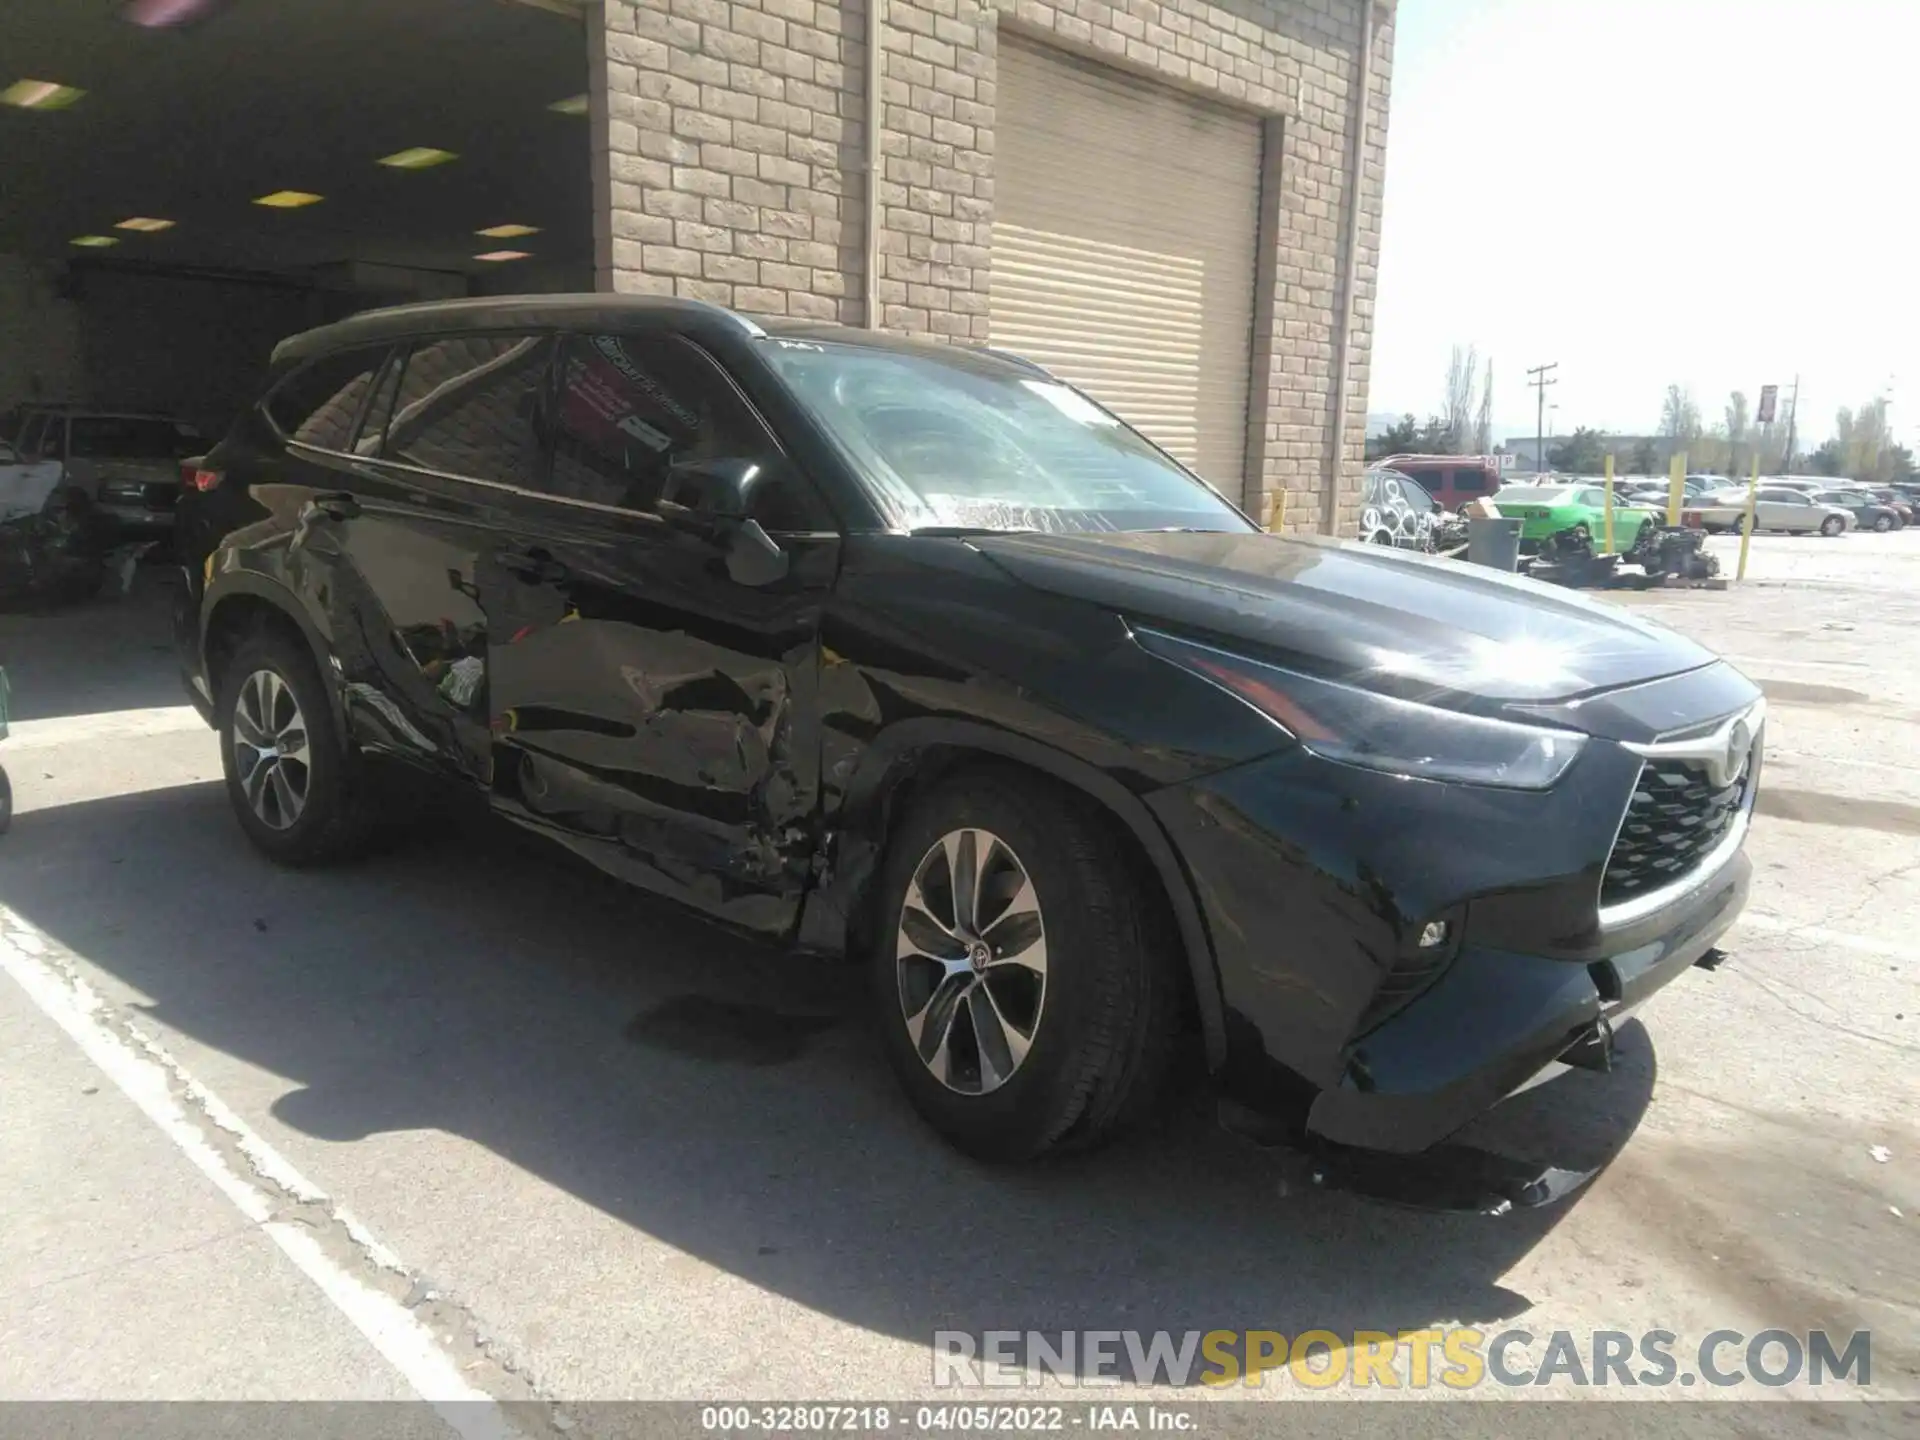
column 972, row 442
column 112, row 437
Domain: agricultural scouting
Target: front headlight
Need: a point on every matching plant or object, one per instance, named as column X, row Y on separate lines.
column 1381, row 732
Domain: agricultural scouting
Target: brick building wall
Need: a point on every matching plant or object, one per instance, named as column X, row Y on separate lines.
column 731, row 166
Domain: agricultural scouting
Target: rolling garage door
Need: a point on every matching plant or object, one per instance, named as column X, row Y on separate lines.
column 1123, row 248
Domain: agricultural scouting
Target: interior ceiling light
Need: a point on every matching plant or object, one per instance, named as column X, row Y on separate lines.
column 94, row 242
column 572, row 105
column 40, row 95
column 162, row 14
column 508, row 232
column 420, row 157
column 288, row 199
column 145, row 224
column 495, row 257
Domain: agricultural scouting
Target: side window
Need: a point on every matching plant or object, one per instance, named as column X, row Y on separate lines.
column 319, row 403
column 471, row 405
column 1470, row 482
column 628, row 407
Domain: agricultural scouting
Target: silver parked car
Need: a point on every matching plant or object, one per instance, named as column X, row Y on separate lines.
column 128, row 466
column 1776, row 507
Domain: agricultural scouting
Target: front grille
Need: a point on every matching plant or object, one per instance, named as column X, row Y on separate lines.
column 1674, row 820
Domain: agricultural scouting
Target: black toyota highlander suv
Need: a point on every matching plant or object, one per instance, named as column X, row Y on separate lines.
column 915, row 655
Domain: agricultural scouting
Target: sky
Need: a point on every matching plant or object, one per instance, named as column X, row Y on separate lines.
column 1718, row 193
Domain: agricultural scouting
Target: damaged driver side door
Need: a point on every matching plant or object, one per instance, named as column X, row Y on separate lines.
column 653, row 709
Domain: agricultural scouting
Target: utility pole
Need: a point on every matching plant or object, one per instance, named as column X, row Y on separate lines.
column 1793, row 415
column 1540, row 377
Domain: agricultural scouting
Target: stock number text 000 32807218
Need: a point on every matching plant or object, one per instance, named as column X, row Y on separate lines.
column 934, row 1419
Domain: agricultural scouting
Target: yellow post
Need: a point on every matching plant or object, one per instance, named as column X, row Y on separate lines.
column 1676, row 487
column 1746, row 530
column 1609, row 549
column 1276, row 511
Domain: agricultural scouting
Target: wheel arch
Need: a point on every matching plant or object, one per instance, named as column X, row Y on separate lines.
column 908, row 757
column 244, row 602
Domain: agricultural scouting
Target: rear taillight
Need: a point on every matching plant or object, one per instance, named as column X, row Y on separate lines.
column 194, row 477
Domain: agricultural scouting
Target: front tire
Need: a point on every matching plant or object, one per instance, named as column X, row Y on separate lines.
column 296, row 792
column 1021, row 979
column 1882, row 524
column 1832, row 526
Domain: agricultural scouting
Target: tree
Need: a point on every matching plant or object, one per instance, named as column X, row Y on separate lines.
column 1739, row 420
column 1645, row 459
column 1680, row 417
column 1463, row 374
column 1582, row 453
column 1400, row 438
column 1866, row 452
column 1862, row 446
column 1483, row 430
column 1436, row 437
column 1711, row 452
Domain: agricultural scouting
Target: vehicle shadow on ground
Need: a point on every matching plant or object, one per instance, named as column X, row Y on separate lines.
column 725, row 1098
column 113, row 652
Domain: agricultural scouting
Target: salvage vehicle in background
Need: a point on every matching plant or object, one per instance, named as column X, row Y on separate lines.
column 1868, row 513
column 1396, row 511
column 912, row 654
column 1776, row 507
column 1452, row 480
column 1902, row 507
column 1549, row 510
column 127, row 465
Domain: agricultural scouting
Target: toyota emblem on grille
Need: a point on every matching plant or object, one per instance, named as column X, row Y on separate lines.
column 1726, row 768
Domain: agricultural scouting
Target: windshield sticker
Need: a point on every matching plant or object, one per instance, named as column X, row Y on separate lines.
column 616, row 355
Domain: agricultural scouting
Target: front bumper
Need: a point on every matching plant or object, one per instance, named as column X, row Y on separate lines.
column 1315, row 880
column 1498, row 1021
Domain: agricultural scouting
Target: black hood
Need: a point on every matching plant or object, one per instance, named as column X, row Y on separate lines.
column 1361, row 613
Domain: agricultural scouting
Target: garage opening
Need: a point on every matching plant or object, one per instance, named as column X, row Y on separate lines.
column 209, row 176
column 1124, row 248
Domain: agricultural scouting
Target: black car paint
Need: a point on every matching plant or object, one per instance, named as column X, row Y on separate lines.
column 757, row 781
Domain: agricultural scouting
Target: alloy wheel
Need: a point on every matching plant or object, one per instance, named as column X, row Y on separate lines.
column 270, row 750
column 971, row 961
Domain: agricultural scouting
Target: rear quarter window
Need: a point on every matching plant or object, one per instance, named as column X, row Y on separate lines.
column 319, row 404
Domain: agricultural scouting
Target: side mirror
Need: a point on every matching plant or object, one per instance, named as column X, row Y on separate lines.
column 711, row 499
column 714, row 489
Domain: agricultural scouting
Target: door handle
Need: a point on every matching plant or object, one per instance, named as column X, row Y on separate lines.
column 533, row 564
column 335, row 505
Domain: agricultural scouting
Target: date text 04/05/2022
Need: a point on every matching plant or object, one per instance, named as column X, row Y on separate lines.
column 942, row 1419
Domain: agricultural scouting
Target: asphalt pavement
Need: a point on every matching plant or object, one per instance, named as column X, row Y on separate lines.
column 466, row 1123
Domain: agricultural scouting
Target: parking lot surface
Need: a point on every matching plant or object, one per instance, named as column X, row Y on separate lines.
column 588, row 1148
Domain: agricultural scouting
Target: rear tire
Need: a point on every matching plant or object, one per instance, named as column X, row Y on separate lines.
column 1005, row 1064
column 298, row 794
column 1832, row 526
column 1882, row 524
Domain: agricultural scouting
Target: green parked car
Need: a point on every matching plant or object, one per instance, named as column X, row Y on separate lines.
column 1546, row 510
